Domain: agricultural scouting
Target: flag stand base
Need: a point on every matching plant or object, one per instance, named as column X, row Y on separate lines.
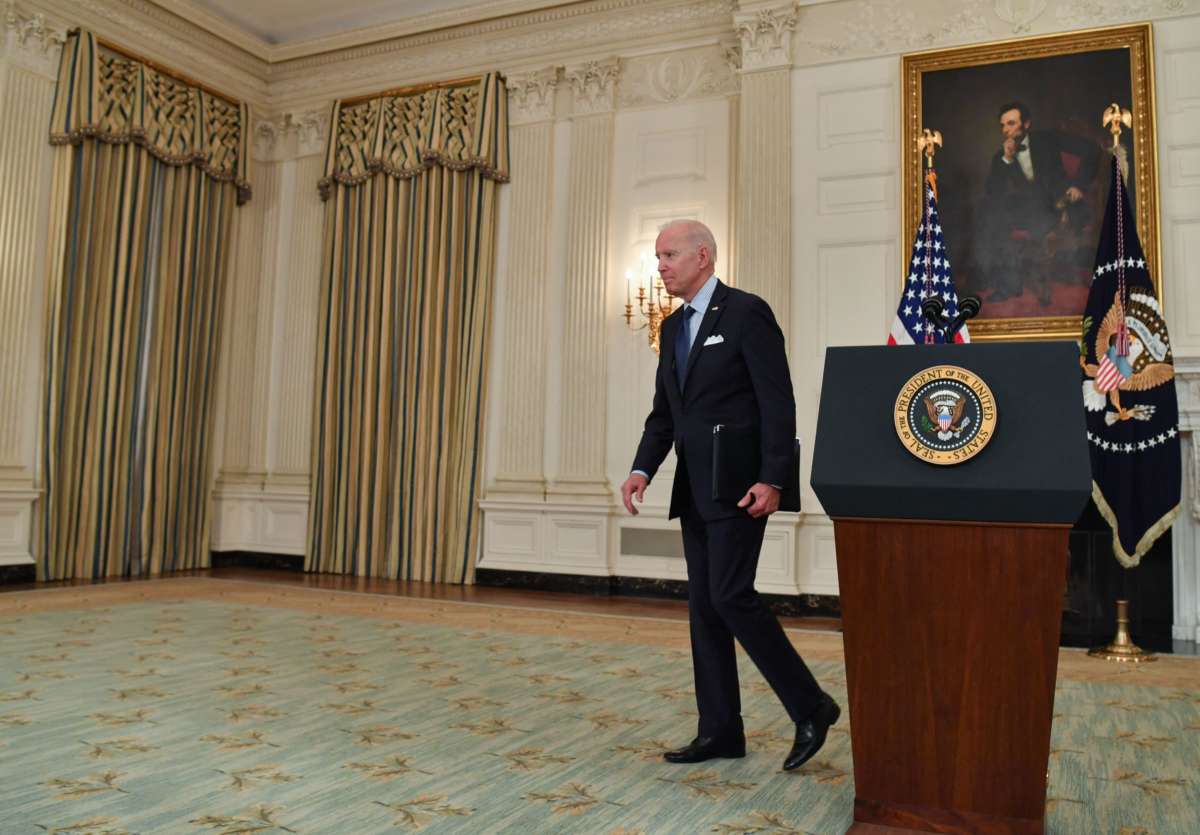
column 1122, row 647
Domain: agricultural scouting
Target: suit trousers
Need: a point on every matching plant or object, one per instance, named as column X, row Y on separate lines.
column 722, row 559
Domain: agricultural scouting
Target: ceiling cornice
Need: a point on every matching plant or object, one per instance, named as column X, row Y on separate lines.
column 278, row 53
column 562, row 33
column 148, row 29
column 574, row 32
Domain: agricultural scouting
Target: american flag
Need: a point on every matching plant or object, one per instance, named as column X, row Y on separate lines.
column 928, row 275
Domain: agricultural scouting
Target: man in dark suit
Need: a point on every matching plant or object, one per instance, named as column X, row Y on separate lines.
column 722, row 361
column 1034, row 205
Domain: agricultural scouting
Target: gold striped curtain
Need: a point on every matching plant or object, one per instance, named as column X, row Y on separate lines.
column 147, row 175
column 411, row 183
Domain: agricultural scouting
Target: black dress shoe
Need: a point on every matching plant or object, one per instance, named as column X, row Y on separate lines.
column 811, row 733
column 706, row 748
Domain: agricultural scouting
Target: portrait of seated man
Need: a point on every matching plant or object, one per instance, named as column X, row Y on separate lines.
column 1040, row 202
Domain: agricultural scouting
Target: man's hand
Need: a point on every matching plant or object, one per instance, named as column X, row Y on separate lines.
column 1074, row 195
column 1010, row 149
column 635, row 486
column 760, row 500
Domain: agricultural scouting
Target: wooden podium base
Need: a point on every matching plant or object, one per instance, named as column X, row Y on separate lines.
column 951, row 637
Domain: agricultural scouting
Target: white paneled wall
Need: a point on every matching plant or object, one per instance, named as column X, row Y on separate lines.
column 672, row 162
column 1177, row 55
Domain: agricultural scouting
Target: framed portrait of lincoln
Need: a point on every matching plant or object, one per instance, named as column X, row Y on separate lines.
column 1023, row 173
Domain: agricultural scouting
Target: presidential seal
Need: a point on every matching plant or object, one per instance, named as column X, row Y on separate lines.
column 945, row 415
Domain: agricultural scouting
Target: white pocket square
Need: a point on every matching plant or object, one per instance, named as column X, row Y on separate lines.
column 715, row 339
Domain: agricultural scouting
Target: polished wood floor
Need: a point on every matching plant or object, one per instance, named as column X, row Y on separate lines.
column 562, row 601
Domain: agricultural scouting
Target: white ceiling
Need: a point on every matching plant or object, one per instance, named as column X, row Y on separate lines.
column 279, row 22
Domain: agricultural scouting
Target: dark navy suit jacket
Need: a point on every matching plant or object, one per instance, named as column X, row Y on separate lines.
column 740, row 378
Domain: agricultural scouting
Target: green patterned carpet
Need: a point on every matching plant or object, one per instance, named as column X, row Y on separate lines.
column 213, row 715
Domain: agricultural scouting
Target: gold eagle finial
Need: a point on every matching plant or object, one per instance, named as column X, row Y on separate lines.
column 1114, row 117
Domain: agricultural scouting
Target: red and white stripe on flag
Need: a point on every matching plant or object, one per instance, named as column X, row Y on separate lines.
column 1108, row 376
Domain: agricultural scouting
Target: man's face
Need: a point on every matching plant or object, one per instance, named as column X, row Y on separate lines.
column 682, row 265
column 1011, row 126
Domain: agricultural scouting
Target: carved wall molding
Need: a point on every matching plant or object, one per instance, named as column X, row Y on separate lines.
column 32, row 41
column 766, row 36
column 593, row 86
column 291, row 135
column 863, row 28
column 1019, row 14
column 668, row 77
column 531, row 96
column 1076, row 13
column 31, row 29
column 881, row 27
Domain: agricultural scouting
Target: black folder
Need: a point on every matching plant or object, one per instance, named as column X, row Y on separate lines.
column 737, row 459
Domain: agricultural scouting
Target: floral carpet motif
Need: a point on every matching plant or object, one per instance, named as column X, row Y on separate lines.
column 210, row 706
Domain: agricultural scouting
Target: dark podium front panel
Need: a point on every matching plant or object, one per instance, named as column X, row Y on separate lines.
column 1035, row 469
column 951, row 581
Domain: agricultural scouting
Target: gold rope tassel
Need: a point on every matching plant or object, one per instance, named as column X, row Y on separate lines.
column 1122, row 647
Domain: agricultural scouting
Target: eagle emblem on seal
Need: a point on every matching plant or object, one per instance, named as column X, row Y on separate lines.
column 1148, row 364
column 945, row 409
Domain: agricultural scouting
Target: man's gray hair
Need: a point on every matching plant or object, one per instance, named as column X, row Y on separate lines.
column 698, row 235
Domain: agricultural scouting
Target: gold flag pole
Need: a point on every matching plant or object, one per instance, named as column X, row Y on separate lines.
column 1122, row 647
column 928, row 143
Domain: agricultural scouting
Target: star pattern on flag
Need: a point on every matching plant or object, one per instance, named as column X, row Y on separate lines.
column 1127, row 263
column 1141, row 446
column 929, row 275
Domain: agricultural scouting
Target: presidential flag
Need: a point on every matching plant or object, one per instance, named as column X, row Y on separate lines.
column 1129, row 389
column 928, row 275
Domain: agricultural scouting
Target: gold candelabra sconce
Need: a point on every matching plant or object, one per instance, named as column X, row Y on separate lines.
column 650, row 304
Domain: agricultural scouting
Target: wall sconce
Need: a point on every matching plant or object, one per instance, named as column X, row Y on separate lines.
column 654, row 303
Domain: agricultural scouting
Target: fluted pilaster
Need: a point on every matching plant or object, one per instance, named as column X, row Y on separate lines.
column 522, row 390
column 764, row 164
column 248, row 316
column 25, row 173
column 581, row 467
column 298, row 298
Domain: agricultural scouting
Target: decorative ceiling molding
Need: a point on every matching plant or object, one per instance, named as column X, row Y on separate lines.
column 505, row 44
column 875, row 28
column 1076, row 13
column 275, row 53
column 149, row 30
column 1019, row 14
column 885, row 27
column 603, row 18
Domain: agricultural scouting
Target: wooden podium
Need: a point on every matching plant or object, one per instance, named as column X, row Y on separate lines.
column 951, row 582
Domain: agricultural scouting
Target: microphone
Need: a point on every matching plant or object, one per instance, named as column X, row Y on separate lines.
column 934, row 311
column 968, row 308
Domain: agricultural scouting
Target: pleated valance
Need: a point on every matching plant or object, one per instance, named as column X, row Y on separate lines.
column 458, row 127
column 107, row 96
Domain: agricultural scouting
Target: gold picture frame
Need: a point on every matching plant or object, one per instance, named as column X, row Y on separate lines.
column 963, row 88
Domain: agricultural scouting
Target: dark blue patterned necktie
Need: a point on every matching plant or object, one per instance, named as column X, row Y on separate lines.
column 683, row 344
